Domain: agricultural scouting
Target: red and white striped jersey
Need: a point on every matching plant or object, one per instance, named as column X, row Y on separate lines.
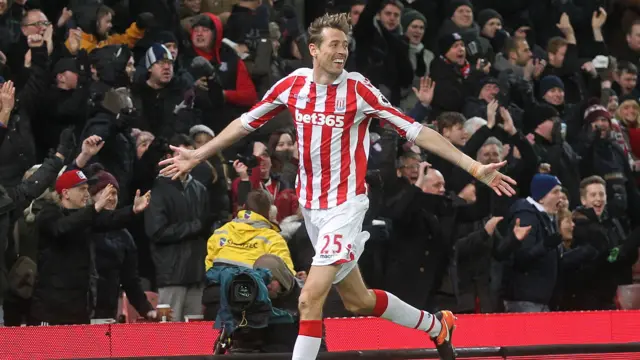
column 332, row 123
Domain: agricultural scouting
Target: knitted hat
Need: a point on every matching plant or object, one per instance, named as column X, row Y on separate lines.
column 156, row 53
column 65, row 64
column 542, row 184
column 550, row 82
column 486, row 81
column 445, row 42
column 455, row 4
column 70, row 179
column 410, row 15
column 102, row 178
column 487, row 14
column 594, row 112
column 205, row 21
column 539, row 114
column 165, row 37
column 197, row 129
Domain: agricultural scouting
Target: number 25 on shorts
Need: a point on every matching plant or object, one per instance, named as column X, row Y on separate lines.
column 332, row 243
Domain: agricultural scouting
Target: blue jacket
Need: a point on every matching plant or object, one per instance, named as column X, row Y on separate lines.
column 261, row 313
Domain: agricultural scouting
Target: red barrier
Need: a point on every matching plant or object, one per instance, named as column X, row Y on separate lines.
column 174, row 339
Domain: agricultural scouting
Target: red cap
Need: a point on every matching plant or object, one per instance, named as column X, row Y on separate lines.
column 70, row 179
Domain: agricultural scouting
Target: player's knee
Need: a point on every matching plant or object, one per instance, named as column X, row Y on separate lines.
column 308, row 303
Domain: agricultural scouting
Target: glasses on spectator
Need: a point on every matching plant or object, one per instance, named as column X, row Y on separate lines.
column 414, row 166
column 40, row 23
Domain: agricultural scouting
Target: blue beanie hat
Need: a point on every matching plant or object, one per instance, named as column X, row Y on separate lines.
column 156, row 53
column 542, row 184
column 550, row 82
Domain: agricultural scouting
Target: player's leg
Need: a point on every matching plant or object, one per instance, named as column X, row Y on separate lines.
column 360, row 300
column 312, row 298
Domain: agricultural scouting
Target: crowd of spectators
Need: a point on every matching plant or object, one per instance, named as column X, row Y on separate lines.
column 94, row 91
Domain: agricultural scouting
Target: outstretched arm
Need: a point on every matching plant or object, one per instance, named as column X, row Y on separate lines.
column 231, row 134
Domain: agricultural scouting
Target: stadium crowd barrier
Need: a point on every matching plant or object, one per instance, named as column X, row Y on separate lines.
column 343, row 334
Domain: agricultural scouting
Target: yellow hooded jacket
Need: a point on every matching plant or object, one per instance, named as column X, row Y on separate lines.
column 243, row 240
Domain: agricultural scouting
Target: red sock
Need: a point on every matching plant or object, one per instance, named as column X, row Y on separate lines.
column 308, row 342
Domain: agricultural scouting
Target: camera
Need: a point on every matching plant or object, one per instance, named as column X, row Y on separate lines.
column 249, row 160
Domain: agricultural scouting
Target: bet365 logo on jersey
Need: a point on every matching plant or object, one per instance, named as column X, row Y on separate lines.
column 320, row 119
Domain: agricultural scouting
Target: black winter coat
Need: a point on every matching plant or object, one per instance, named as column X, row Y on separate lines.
column 17, row 152
column 589, row 280
column 14, row 200
column 531, row 272
column 65, row 290
column 178, row 222
column 117, row 264
column 118, row 155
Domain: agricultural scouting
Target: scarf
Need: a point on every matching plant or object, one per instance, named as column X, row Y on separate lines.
column 464, row 70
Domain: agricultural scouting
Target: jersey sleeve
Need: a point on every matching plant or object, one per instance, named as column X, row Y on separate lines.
column 271, row 105
column 375, row 104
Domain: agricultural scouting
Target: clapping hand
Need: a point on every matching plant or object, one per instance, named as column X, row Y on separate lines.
column 598, row 19
column 140, row 203
column 8, row 96
column 492, row 110
column 490, row 226
column 507, row 122
column 106, row 197
column 521, row 232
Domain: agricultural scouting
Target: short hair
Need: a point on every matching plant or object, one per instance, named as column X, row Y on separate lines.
column 628, row 67
column 449, row 119
column 402, row 159
column 511, row 45
column 182, row 140
column 23, row 21
column 555, row 44
column 493, row 141
column 634, row 23
column 333, row 21
column 395, row 3
column 471, row 125
column 259, row 201
column 594, row 179
column 357, row 2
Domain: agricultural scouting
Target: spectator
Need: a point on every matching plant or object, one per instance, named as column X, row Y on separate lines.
column 178, row 221
column 164, row 101
column 231, row 91
column 380, row 53
column 95, row 21
column 414, row 25
column 17, row 152
column 116, row 258
column 453, row 74
column 626, row 80
column 531, row 272
column 64, row 292
column 461, row 22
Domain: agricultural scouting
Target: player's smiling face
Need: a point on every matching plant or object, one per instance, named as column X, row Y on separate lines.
column 333, row 51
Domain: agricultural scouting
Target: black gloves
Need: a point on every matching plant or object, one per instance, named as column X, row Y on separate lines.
column 67, row 143
column 145, row 20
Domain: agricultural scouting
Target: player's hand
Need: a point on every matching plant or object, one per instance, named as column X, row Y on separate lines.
column 500, row 183
column 179, row 165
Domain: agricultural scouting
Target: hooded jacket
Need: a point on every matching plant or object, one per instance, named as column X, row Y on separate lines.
column 242, row 241
column 235, row 79
column 86, row 17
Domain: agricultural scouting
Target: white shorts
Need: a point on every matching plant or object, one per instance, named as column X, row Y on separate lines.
column 336, row 234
